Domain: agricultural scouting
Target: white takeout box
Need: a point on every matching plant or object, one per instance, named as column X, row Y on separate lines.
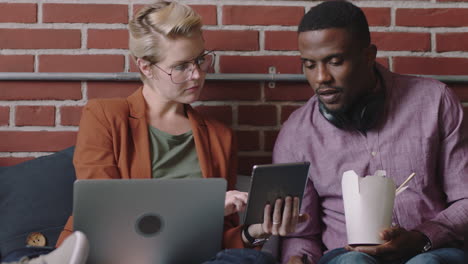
column 368, row 203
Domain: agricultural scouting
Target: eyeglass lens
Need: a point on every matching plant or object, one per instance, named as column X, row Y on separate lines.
column 183, row 72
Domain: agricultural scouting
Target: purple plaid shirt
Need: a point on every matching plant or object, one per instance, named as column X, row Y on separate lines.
column 422, row 131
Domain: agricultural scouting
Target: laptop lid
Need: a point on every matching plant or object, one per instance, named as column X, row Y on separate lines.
column 150, row 221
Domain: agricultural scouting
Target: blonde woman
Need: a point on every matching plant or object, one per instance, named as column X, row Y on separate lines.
column 155, row 133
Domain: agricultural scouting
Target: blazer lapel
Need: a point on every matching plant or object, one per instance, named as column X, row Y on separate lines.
column 202, row 142
column 139, row 134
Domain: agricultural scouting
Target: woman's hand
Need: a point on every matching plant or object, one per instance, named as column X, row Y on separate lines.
column 281, row 222
column 235, row 202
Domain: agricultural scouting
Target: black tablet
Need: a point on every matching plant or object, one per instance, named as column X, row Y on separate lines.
column 273, row 181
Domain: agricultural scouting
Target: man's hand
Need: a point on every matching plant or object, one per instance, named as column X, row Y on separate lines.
column 400, row 243
column 235, row 202
column 282, row 222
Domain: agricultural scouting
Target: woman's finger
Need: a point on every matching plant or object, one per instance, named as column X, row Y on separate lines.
column 277, row 212
column 295, row 214
column 286, row 217
column 267, row 222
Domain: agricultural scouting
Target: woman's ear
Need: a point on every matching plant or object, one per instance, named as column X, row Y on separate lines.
column 145, row 67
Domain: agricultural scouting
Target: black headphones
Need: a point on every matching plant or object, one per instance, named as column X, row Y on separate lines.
column 362, row 116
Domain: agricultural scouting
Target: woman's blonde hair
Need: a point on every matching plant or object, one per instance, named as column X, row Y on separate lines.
column 159, row 21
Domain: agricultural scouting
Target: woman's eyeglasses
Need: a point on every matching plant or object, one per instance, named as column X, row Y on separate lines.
column 183, row 72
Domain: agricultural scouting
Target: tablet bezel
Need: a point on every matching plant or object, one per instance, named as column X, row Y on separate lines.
column 271, row 181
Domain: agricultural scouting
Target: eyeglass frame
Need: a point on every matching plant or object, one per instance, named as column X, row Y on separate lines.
column 193, row 62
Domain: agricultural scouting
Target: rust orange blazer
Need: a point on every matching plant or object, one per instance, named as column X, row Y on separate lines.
column 113, row 143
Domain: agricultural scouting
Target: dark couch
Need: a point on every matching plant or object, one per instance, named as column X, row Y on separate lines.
column 35, row 196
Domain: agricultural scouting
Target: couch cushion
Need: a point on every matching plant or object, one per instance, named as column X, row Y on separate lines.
column 35, row 196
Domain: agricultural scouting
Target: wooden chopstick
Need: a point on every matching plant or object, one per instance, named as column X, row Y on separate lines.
column 405, row 182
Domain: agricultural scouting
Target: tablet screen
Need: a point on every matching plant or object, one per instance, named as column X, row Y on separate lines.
column 273, row 181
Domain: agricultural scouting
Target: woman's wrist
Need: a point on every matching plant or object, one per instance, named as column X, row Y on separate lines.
column 251, row 236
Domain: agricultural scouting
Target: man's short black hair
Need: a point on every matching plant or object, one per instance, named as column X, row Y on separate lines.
column 337, row 14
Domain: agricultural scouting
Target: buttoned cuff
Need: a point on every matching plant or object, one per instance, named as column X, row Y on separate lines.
column 436, row 233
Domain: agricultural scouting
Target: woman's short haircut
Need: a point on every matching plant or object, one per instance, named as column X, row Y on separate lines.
column 159, row 21
column 337, row 14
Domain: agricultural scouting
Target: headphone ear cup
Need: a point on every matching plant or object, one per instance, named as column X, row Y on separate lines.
column 362, row 116
column 366, row 113
column 335, row 119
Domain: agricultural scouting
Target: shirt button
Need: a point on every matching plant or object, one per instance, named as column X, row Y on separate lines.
column 373, row 153
column 36, row 239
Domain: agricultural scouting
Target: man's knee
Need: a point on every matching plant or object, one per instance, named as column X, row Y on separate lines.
column 440, row 256
column 355, row 257
column 426, row 258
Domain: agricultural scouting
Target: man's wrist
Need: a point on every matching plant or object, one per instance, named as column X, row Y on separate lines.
column 425, row 243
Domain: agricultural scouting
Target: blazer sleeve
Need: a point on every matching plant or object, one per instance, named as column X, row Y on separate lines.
column 94, row 155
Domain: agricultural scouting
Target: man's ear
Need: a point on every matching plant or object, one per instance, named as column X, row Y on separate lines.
column 145, row 67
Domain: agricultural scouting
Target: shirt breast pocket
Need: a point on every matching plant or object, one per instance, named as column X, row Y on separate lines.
column 408, row 155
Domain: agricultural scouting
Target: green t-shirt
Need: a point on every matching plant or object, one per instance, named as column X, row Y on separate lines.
column 173, row 156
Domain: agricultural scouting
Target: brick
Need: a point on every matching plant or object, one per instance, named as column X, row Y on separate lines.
column 40, row 38
column 85, row 13
column 465, row 111
column 281, row 40
column 12, row 90
column 4, row 115
column 81, row 63
column 247, row 162
column 70, row 115
column 223, row 90
column 259, row 64
column 18, row 13
column 11, row 161
column 248, row 140
column 243, row 40
column 207, row 12
column 111, row 89
column 132, row 63
column 257, row 115
column 286, row 91
column 270, row 139
column 32, row 141
column 431, row 66
column 432, row 17
column 37, row 115
column 287, row 110
column 397, row 41
column 452, row 41
column 262, row 15
column 107, row 39
column 452, row 0
column 222, row 113
column 16, row 63
column 461, row 90
column 377, row 16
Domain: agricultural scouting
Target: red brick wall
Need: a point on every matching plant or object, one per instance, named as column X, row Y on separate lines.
column 36, row 118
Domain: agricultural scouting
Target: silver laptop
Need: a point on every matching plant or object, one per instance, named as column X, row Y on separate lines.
column 150, row 221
